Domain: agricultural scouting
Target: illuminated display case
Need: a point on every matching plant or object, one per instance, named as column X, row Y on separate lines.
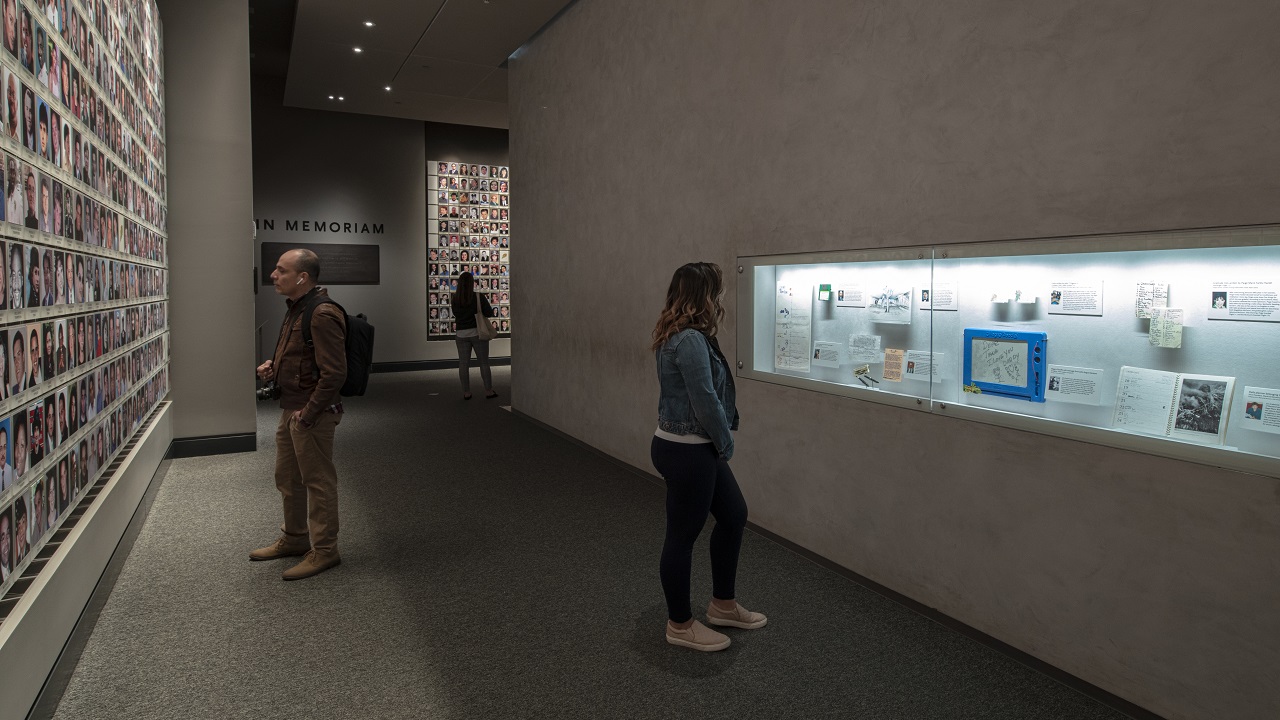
column 1160, row 342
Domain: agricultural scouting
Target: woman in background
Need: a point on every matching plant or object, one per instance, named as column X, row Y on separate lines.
column 691, row 448
column 465, row 303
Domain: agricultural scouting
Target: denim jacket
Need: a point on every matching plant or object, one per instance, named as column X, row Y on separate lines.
column 698, row 396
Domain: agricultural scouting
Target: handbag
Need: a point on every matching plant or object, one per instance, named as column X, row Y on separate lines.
column 484, row 326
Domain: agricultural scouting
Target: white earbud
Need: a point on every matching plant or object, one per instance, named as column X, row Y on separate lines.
column 299, row 282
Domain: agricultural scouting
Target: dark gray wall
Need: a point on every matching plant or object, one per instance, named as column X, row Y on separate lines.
column 210, row 160
column 458, row 143
column 651, row 133
column 312, row 164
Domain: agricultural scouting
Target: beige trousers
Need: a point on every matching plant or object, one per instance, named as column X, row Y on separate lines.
column 307, row 479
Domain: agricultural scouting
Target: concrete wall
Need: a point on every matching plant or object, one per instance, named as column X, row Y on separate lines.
column 210, row 160
column 649, row 134
column 310, row 164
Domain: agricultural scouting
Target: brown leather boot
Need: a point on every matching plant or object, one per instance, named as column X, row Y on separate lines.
column 313, row 564
column 284, row 546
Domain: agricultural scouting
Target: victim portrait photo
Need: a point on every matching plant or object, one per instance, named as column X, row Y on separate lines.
column 15, row 378
column 38, row 514
column 12, row 105
column 35, row 366
column 29, row 130
column 51, row 440
column 14, row 196
column 30, row 214
column 10, row 29
column 7, row 476
column 6, row 543
column 45, row 204
column 26, row 41
column 48, row 298
column 35, row 434
column 19, row 443
column 4, row 363
column 21, row 530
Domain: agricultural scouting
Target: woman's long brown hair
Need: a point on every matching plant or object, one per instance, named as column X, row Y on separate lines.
column 466, row 295
column 693, row 301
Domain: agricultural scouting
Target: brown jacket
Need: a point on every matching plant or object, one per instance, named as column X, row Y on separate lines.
column 309, row 378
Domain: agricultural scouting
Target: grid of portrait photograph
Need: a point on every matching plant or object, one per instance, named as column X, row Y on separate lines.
column 468, row 230
column 83, row 253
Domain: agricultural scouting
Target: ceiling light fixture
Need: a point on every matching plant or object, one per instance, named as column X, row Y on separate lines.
column 340, row 98
column 368, row 23
column 330, row 97
column 357, row 49
column 387, row 88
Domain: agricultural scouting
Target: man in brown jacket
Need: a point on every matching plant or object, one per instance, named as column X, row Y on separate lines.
column 309, row 379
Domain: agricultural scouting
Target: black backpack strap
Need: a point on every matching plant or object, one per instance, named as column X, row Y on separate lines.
column 315, row 302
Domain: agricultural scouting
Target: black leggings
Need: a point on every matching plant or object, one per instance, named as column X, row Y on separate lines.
column 698, row 482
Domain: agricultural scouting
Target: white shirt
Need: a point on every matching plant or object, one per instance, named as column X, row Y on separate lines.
column 16, row 208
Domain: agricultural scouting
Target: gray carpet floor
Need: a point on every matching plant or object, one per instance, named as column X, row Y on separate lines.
column 494, row 570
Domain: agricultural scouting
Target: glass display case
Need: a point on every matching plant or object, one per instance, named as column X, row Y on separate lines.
column 1158, row 342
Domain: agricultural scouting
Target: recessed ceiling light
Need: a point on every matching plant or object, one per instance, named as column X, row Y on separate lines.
column 330, row 97
column 368, row 23
column 340, row 98
column 357, row 49
column 387, row 88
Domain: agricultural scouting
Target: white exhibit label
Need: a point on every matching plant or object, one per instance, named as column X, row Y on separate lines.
column 1067, row 384
column 1261, row 409
column 893, row 361
column 1075, row 298
column 851, row 295
column 1150, row 295
column 826, row 354
column 1166, row 327
column 1244, row 300
column 923, row 365
column 864, row 349
column 942, row 296
column 891, row 305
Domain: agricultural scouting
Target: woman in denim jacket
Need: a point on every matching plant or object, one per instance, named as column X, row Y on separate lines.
column 691, row 448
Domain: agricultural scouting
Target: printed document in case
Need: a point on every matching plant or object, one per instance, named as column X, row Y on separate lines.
column 1177, row 405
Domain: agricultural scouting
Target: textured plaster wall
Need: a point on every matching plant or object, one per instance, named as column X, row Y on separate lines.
column 210, row 164
column 648, row 134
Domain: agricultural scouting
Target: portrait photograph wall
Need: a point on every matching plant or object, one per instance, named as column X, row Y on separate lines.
column 84, row 280
column 468, row 230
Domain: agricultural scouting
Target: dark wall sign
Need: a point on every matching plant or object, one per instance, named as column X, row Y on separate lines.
column 340, row 264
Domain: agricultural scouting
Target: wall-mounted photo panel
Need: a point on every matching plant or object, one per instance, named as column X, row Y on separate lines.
column 464, row 217
column 83, row 220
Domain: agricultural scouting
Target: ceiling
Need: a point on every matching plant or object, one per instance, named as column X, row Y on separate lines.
column 445, row 60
